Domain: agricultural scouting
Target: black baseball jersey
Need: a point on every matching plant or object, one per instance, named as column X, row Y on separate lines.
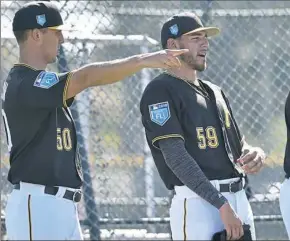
column 172, row 108
column 287, row 151
column 40, row 130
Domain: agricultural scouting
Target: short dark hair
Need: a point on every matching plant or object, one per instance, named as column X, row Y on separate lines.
column 21, row 36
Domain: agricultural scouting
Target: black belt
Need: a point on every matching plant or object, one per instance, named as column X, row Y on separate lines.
column 70, row 195
column 232, row 187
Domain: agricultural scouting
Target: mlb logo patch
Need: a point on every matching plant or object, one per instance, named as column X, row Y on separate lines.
column 174, row 29
column 46, row 80
column 41, row 19
column 159, row 113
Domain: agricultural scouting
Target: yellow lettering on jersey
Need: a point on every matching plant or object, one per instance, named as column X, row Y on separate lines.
column 211, row 137
column 227, row 118
column 58, row 140
column 63, row 139
column 207, row 137
column 201, row 138
column 67, row 143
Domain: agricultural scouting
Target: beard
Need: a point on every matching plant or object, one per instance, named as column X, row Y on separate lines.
column 193, row 62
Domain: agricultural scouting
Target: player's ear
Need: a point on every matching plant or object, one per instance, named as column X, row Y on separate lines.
column 172, row 44
column 36, row 35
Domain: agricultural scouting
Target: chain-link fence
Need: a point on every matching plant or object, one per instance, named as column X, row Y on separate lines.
column 124, row 196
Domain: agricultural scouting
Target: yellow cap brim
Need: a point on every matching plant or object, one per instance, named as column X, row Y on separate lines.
column 64, row 27
column 210, row 31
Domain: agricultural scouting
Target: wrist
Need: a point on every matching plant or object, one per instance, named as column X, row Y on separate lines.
column 222, row 207
column 220, row 201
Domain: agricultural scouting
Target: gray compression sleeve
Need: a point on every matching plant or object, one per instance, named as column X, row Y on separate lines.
column 188, row 171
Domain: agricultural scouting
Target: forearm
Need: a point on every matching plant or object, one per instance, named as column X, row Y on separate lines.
column 188, row 171
column 103, row 73
column 109, row 72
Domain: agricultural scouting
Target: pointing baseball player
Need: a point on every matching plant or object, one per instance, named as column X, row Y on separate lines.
column 195, row 141
column 44, row 165
column 285, row 188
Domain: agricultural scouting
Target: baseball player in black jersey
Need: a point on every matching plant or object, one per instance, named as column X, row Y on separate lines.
column 195, row 140
column 285, row 188
column 45, row 166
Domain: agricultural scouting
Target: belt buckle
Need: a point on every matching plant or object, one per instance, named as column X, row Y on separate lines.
column 75, row 193
column 230, row 187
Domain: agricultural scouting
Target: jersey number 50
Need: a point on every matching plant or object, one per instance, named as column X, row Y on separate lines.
column 63, row 139
column 207, row 137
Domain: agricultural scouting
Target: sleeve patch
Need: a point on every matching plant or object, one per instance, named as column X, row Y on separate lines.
column 159, row 113
column 46, row 80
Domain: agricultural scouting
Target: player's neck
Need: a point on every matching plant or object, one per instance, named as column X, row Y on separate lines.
column 186, row 74
column 31, row 58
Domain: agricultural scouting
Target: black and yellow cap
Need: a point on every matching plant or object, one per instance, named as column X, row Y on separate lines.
column 182, row 24
column 38, row 15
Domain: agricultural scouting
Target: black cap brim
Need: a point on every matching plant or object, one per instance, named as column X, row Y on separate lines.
column 210, row 31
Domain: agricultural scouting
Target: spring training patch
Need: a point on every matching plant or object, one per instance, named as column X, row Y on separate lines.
column 46, row 80
column 41, row 19
column 159, row 113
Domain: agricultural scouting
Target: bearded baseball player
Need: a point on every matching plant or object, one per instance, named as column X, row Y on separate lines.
column 285, row 188
column 45, row 168
column 195, row 141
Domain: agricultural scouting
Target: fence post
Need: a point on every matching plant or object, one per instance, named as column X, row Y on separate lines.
column 89, row 200
column 148, row 161
column 206, row 16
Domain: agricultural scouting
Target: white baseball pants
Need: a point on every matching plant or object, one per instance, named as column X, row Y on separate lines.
column 33, row 215
column 285, row 204
column 193, row 218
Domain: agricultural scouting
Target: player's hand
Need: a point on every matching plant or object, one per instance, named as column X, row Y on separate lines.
column 252, row 160
column 233, row 225
column 164, row 59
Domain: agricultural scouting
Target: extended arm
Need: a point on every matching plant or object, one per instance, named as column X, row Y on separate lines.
column 109, row 72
